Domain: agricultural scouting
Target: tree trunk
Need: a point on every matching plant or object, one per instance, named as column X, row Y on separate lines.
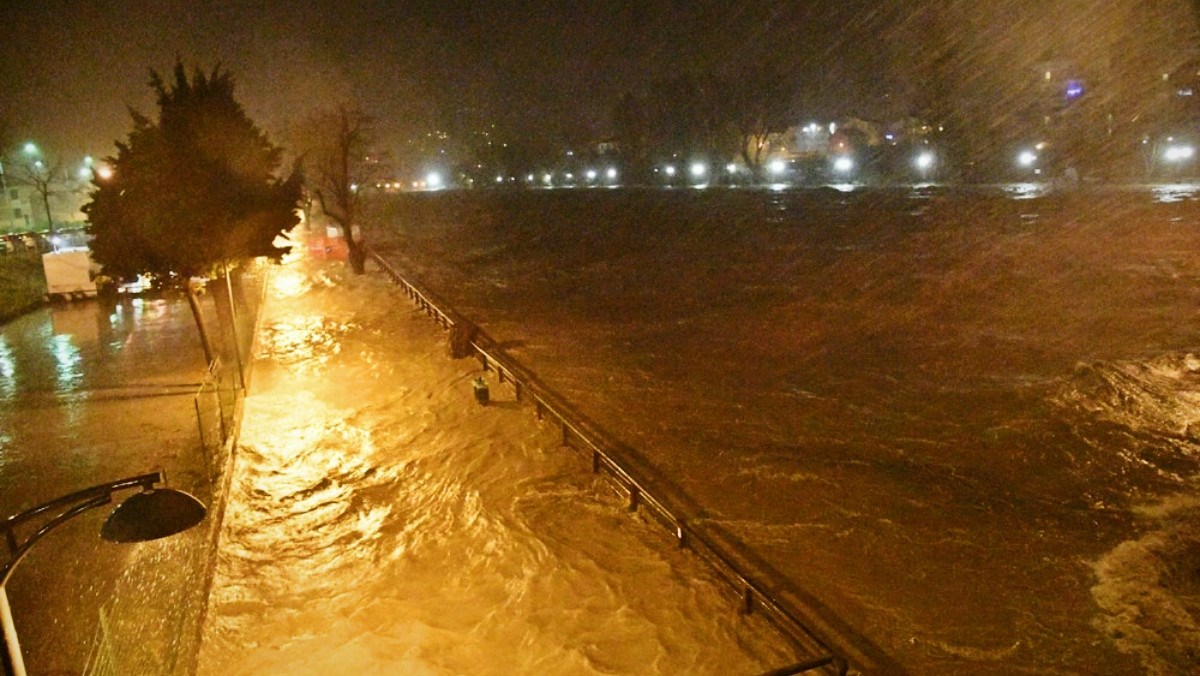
column 462, row 334
column 49, row 220
column 194, row 302
column 358, row 257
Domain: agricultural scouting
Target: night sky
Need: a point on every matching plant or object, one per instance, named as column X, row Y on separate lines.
column 553, row 70
column 70, row 68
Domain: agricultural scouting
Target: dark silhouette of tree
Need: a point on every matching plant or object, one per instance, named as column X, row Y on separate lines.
column 342, row 167
column 758, row 105
column 631, row 130
column 192, row 193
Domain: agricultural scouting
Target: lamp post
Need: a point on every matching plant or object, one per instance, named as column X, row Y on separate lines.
column 149, row 514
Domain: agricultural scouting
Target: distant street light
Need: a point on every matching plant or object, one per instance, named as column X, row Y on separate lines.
column 30, row 148
column 611, row 173
column 1179, row 153
column 150, row 514
column 698, row 169
column 1027, row 158
column 777, row 167
column 924, row 161
column 670, row 170
column 843, row 165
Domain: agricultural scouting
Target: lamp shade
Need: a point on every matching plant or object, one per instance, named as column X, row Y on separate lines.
column 152, row 514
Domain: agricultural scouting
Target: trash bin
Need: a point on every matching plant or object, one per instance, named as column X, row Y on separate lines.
column 481, row 391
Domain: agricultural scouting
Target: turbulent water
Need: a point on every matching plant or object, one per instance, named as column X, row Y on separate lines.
column 381, row 522
column 959, row 424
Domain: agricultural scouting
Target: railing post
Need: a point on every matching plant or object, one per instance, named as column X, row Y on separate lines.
column 517, row 389
column 566, row 434
column 595, row 462
column 747, row 600
column 680, row 535
column 199, row 420
column 538, row 411
column 635, row 497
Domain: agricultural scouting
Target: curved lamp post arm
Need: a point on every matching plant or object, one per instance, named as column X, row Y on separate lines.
column 146, row 481
column 18, row 553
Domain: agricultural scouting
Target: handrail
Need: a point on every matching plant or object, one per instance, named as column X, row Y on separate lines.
column 576, row 429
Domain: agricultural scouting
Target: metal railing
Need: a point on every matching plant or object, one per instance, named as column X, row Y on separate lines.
column 608, row 459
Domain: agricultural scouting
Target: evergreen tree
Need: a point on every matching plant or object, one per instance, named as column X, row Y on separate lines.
column 192, row 193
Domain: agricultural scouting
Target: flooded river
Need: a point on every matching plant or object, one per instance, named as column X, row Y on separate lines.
column 959, row 422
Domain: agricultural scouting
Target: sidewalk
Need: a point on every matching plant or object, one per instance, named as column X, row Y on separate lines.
column 92, row 392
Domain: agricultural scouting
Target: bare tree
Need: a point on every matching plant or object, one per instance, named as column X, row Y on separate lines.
column 341, row 168
column 757, row 107
column 45, row 177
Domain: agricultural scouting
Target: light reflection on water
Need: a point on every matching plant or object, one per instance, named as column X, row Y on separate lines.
column 1024, row 191
column 8, row 383
column 1178, row 192
column 67, row 360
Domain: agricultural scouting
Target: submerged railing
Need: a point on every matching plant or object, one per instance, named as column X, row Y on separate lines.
column 606, row 458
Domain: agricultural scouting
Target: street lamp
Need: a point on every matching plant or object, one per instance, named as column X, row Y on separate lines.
column 149, row 514
column 924, row 163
